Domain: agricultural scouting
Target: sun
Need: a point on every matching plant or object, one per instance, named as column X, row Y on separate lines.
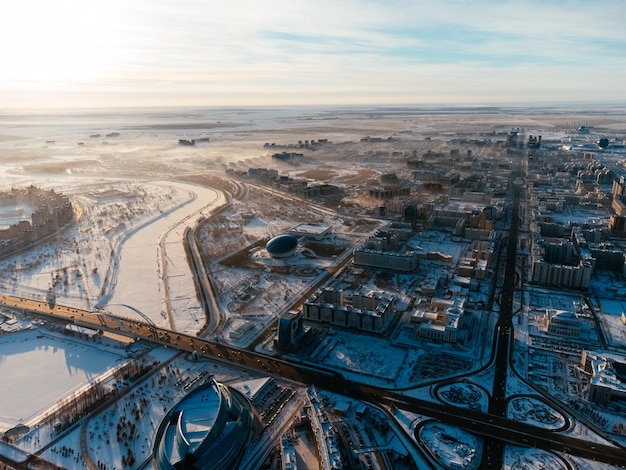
column 56, row 41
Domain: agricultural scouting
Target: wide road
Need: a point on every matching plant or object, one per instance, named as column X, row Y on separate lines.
column 494, row 445
column 489, row 425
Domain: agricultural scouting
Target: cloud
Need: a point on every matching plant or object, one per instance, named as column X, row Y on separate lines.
column 362, row 50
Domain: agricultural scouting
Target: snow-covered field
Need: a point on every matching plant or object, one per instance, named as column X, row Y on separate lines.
column 366, row 356
column 125, row 256
column 128, row 235
column 121, row 434
column 64, row 365
column 519, row 458
column 451, row 446
column 611, row 311
column 464, row 394
column 154, row 258
column 534, row 411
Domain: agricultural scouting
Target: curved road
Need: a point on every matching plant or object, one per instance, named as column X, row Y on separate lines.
column 490, row 425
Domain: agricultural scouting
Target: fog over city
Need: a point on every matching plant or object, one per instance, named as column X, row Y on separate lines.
column 312, row 235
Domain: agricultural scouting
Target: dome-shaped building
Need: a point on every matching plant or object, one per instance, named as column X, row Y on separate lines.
column 207, row 429
column 282, row 246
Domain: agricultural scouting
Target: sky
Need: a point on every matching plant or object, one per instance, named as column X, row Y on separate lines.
column 97, row 53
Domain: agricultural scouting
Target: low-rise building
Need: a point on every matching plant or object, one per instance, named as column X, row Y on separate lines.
column 309, row 230
column 386, row 259
column 608, row 378
column 440, row 319
column 372, row 311
column 563, row 323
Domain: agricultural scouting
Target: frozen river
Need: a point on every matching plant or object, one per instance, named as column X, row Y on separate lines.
column 156, row 252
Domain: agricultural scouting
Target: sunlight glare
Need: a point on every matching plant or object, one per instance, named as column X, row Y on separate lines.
column 57, row 41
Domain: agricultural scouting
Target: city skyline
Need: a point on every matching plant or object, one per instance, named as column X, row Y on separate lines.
column 240, row 53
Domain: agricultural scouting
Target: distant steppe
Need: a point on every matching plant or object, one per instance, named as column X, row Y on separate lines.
column 147, row 144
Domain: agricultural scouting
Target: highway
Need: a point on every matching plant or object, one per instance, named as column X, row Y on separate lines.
column 490, row 425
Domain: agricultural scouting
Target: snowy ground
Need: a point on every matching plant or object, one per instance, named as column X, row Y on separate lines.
column 519, row 458
column 63, row 364
column 531, row 410
column 129, row 234
column 125, row 255
column 451, row 446
column 154, row 258
column 610, row 314
column 251, row 285
column 464, row 394
column 369, row 356
column 448, row 445
column 553, row 363
column 125, row 429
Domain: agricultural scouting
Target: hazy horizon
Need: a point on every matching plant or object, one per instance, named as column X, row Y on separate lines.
column 577, row 106
column 190, row 53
